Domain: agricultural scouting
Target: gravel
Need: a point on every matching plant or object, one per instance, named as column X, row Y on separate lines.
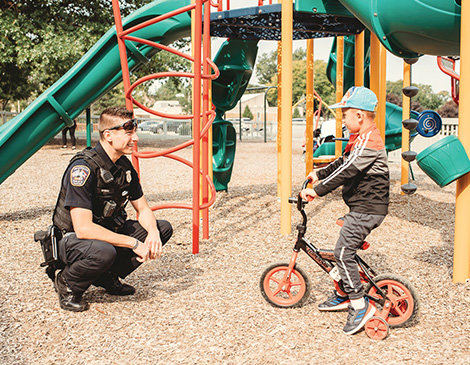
column 207, row 308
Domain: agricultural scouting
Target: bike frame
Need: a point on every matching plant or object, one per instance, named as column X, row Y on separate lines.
column 325, row 258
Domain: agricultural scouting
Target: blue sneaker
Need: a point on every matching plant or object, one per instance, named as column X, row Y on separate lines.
column 358, row 318
column 334, row 303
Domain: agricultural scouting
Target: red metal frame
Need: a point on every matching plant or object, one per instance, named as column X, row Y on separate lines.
column 200, row 59
column 455, row 77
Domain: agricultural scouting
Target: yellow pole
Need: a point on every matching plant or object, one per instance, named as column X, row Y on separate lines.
column 286, row 117
column 374, row 64
column 279, row 113
column 405, row 134
column 339, row 93
column 310, row 105
column 462, row 202
column 382, row 91
column 359, row 60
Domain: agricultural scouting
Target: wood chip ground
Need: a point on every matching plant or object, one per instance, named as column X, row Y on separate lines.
column 207, row 308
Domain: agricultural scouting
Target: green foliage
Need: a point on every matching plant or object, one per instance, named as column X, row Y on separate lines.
column 296, row 113
column 266, row 67
column 247, row 113
column 43, row 39
column 426, row 99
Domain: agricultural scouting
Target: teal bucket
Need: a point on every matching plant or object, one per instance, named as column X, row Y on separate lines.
column 444, row 161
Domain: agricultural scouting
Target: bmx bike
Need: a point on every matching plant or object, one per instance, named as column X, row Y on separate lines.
column 286, row 285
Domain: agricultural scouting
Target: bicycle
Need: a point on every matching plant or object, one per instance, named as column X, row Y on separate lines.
column 286, row 285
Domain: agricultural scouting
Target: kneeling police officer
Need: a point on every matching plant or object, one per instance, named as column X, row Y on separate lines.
column 99, row 245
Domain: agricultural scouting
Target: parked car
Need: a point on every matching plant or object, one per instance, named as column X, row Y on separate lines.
column 148, row 125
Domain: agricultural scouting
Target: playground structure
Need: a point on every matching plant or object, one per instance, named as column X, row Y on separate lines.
column 100, row 70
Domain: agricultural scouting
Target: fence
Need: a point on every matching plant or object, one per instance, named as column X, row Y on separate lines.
column 246, row 130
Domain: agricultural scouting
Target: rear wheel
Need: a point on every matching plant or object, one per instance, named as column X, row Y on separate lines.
column 283, row 290
column 402, row 304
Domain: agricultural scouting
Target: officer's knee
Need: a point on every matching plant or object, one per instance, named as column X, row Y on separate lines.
column 166, row 230
column 103, row 254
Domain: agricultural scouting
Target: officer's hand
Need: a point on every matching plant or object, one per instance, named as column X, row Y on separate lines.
column 142, row 250
column 154, row 243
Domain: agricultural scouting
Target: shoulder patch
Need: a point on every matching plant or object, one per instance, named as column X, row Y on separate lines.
column 79, row 175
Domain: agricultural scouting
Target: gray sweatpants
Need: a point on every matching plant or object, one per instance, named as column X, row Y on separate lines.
column 354, row 231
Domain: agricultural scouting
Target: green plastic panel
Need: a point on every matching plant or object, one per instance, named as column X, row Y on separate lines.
column 411, row 28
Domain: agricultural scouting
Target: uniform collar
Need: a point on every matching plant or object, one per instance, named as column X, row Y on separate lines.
column 109, row 165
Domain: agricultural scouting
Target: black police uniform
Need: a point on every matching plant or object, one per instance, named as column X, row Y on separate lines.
column 92, row 181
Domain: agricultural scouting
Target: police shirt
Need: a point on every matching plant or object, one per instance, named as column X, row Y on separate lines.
column 81, row 181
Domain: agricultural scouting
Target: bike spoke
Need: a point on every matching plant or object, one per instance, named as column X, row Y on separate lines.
column 279, row 288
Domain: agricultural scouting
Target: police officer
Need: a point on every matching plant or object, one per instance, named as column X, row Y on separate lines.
column 99, row 245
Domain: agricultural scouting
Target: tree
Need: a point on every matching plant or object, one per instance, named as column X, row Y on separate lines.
column 43, row 39
column 425, row 99
column 449, row 110
column 266, row 67
column 296, row 113
column 247, row 113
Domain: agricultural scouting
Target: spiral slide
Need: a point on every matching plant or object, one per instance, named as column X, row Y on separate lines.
column 96, row 73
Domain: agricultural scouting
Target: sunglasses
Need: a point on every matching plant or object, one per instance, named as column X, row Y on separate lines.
column 129, row 125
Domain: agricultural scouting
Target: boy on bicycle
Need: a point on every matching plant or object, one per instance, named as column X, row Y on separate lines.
column 363, row 173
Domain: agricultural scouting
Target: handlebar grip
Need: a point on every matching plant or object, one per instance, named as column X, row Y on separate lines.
column 306, row 182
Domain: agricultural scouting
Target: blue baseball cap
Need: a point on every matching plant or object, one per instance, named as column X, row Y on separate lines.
column 358, row 98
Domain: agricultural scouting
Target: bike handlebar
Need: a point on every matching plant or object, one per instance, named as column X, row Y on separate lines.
column 299, row 201
column 306, row 182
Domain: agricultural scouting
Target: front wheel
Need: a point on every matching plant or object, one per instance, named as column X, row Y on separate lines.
column 402, row 304
column 283, row 290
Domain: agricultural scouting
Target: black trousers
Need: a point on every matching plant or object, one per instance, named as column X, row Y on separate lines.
column 87, row 260
column 71, row 131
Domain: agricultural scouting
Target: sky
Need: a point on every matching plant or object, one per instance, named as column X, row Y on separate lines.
column 425, row 71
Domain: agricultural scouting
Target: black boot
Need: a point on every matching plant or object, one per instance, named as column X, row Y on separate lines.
column 113, row 285
column 69, row 300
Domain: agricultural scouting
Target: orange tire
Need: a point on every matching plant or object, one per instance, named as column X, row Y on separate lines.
column 402, row 306
column 377, row 328
column 281, row 290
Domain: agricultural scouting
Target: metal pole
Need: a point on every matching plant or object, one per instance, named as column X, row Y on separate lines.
column 89, row 127
column 265, row 114
column 309, row 111
column 359, row 60
column 240, row 119
column 405, row 134
column 339, row 94
column 286, row 117
column 462, row 202
column 265, row 101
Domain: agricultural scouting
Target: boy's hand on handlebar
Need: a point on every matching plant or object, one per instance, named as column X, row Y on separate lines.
column 308, row 194
column 313, row 177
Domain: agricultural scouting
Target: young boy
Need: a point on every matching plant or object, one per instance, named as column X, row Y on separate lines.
column 363, row 173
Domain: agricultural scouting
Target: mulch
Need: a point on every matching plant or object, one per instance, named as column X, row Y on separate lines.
column 207, row 308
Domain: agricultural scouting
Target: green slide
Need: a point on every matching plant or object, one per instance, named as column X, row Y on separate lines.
column 96, row 73
column 393, row 113
column 411, row 28
column 235, row 60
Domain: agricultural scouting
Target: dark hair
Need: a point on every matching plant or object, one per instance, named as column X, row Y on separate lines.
column 111, row 116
